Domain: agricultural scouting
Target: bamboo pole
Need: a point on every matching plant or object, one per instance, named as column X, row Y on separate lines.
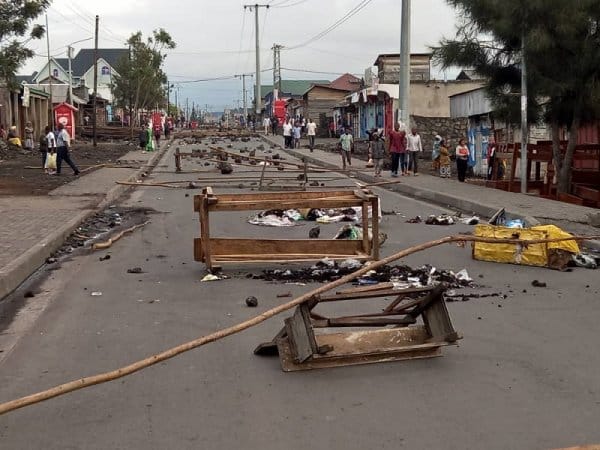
column 190, row 345
column 112, row 240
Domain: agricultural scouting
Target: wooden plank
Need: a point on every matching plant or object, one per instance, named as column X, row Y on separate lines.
column 372, row 294
column 205, row 233
column 277, row 247
column 267, row 257
column 300, row 334
column 288, row 204
column 365, row 226
column 375, row 226
column 270, row 348
column 375, row 287
column 437, row 320
column 369, row 321
column 298, row 195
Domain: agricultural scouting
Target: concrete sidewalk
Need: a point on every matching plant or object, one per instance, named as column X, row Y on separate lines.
column 469, row 198
column 34, row 227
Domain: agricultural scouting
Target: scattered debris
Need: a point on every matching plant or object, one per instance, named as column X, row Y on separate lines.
column 443, row 219
column 104, row 258
column 135, row 270
column 28, row 294
column 416, row 219
column 51, row 260
column 252, row 302
column 96, row 294
column 536, row 283
column 586, row 260
column 474, row 220
column 329, row 270
column 314, row 232
column 210, row 277
column 225, row 168
column 284, row 295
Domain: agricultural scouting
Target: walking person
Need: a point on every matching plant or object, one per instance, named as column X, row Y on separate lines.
column 331, row 128
column 274, row 124
column 143, row 138
column 398, row 144
column 157, row 133
column 266, row 124
column 28, row 136
column 49, row 156
column 444, row 159
column 491, row 157
column 346, row 144
column 149, row 138
column 63, row 145
column 414, row 148
column 311, row 130
column 462, row 159
column 287, row 133
column 377, row 152
column 43, row 145
column 297, row 131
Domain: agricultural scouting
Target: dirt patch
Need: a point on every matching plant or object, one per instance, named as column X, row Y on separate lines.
column 17, row 179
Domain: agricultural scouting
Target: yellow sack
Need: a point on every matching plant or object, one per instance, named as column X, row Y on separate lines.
column 543, row 255
column 50, row 161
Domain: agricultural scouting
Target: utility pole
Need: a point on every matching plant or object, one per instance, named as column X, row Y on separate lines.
column 69, row 55
column 277, row 70
column 524, row 127
column 168, row 96
column 404, row 74
column 244, row 92
column 257, row 93
column 94, row 113
column 50, row 102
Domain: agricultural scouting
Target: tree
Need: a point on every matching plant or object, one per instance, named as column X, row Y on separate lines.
column 140, row 82
column 15, row 33
column 193, row 114
column 561, row 40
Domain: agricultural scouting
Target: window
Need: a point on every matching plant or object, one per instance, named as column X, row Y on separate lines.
column 105, row 70
column 55, row 73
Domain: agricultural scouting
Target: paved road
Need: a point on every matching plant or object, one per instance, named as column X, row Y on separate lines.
column 524, row 377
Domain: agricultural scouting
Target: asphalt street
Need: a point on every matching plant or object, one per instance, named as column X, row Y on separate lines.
column 525, row 376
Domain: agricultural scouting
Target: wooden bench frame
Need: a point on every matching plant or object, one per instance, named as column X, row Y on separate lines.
column 213, row 251
column 372, row 340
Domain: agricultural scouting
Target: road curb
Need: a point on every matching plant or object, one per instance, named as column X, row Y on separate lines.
column 15, row 273
column 439, row 198
column 12, row 275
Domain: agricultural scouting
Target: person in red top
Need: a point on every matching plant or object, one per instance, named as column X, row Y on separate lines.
column 398, row 145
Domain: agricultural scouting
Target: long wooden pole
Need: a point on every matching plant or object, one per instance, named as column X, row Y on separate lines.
column 186, row 347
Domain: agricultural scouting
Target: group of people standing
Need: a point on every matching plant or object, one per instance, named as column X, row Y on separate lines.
column 293, row 130
column 404, row 149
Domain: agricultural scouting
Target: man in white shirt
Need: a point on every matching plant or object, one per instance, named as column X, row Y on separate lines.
column 63, row 144
column 266, row 123
column 414, row 146
column 311, row 128
column 287, row 133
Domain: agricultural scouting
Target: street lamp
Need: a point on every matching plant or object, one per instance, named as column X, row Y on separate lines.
column 70, row 56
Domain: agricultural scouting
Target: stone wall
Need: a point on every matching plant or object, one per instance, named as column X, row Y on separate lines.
column 450, row 129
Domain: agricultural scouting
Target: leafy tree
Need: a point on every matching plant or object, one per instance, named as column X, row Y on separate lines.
column 194, row 114
column 140, row 82
column 15, row 33
column 562, row 50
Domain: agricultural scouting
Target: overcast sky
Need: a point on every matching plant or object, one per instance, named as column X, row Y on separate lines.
column 216, row 37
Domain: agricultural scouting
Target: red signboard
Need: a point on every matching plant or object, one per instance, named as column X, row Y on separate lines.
column 65, row 114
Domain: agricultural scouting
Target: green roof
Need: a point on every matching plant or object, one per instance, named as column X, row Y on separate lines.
column 293, row 87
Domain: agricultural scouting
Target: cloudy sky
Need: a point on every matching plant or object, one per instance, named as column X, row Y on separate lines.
column 215, row 38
